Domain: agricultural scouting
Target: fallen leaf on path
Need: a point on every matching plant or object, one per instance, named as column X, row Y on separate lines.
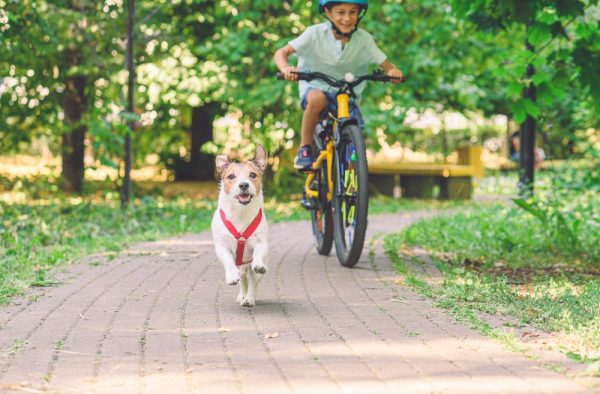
column 530, row 334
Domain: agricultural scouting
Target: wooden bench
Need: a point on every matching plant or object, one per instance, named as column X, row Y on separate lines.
column 428, row 180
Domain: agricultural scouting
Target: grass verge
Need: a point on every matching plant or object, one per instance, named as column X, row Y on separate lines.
column 501, row 260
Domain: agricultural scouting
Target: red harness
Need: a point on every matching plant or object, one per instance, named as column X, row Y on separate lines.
column 241, row 238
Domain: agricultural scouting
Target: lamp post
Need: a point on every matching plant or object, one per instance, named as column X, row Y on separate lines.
column 125, row 196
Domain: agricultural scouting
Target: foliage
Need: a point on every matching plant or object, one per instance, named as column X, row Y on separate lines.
column 457, row 55
column 564, row 35
column 42, row 45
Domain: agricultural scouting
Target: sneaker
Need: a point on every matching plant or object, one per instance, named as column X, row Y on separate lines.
column 303, row 159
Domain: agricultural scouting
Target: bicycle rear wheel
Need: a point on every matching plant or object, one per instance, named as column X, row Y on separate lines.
column 320, row 214
column 351, row 196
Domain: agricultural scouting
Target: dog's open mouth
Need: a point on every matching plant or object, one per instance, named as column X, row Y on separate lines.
column 244, row 198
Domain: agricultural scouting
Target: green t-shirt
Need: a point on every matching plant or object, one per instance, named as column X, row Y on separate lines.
column 318, row 50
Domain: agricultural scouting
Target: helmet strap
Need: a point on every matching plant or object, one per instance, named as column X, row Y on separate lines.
column 340, row 33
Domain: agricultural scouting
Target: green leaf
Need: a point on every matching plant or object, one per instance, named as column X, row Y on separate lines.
column 514, row 88
column 531, row 208
column 518, row 111
column 539, row 33
column 544, row 94
column 540, row 76
column 531, row 108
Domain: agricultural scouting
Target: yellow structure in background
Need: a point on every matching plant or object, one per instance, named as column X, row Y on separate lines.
column 429, row 180
column 471, row 156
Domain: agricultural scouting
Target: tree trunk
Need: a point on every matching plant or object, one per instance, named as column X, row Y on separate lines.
column 201, row 165
column 201, row 132
column 527, row 137
column 74, row 104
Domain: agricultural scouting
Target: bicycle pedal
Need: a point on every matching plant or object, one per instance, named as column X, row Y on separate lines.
column 306, row 204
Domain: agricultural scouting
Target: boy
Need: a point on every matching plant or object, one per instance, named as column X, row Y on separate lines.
column 333, row 48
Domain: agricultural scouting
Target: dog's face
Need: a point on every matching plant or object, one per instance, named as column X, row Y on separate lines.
column 242, row 181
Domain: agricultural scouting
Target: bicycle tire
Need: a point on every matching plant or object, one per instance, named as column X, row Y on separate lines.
column 350, row 200
column 320, row 215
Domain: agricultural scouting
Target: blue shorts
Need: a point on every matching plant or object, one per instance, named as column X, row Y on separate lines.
column 353, row 110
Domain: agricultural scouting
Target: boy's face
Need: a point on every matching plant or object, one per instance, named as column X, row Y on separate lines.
column 344, row 16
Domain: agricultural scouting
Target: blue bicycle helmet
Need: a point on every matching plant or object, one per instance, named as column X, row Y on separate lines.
column 363, row 4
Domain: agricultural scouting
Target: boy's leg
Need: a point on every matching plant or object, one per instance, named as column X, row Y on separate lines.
column 315, row 103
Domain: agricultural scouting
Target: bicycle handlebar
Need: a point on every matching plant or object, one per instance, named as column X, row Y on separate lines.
column 309, row 76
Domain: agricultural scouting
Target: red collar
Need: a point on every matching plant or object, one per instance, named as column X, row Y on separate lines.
column 241, row 238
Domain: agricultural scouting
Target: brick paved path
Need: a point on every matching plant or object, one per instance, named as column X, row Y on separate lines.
column 160, row 319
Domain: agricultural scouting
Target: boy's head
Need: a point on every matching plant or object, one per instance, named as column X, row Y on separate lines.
column 344, row 15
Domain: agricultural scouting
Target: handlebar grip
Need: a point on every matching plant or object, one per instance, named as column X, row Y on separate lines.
column 302, row 76
column 386, row 78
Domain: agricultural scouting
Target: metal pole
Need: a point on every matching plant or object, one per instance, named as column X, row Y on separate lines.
column 125, row 197
column 527, row 137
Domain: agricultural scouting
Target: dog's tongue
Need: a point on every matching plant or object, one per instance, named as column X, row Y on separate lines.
column 244, row 198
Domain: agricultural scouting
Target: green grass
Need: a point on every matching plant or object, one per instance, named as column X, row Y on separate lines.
column 507, row 260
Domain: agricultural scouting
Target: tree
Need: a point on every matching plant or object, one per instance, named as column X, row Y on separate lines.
column 56, row 54
column 561, row 43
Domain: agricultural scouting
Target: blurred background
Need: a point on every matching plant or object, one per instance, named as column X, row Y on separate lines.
column 204, row 84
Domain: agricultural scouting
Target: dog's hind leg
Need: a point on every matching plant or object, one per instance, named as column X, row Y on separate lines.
column 253, row 279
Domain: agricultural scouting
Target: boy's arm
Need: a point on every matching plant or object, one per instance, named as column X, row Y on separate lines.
column 392, row 71
column 281, row 56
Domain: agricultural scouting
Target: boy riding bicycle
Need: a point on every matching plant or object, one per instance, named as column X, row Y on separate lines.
column 334, row 48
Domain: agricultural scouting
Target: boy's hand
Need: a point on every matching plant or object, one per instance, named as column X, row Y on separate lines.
column 288, row 74
column 395, row 73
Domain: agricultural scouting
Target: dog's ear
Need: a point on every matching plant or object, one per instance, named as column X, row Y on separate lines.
column 260, row 157
column 222, row 162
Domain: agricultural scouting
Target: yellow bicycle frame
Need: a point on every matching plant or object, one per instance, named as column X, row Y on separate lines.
column 327, row 153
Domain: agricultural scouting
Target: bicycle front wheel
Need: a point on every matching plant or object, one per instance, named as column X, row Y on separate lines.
column 351, row 196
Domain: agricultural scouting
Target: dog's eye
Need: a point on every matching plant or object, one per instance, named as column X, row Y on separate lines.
column 253, row 175
column 231, row 176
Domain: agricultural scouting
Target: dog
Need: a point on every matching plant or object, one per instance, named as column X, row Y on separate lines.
column 239, row 226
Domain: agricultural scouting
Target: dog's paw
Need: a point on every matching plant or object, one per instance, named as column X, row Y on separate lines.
column 248, row 302
column 232, row 277
column 259, row 269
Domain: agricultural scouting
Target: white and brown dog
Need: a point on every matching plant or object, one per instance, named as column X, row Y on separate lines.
column 239, row 226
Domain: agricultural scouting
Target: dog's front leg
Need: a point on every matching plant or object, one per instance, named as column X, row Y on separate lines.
column 260, row 257
column 232, row 273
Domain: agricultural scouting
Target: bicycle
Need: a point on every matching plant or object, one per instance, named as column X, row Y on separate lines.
column 336, row 188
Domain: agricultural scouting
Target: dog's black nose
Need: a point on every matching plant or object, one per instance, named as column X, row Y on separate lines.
column 244, row 186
